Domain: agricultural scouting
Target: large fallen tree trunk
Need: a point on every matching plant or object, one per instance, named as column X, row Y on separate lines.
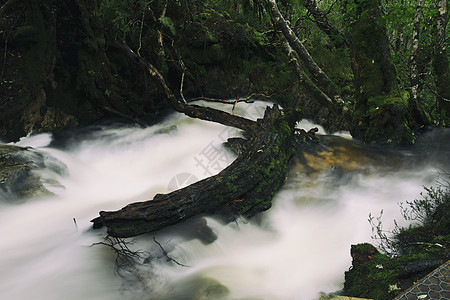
column 246, row 187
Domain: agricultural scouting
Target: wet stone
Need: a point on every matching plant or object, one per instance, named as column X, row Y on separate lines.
column 18, row 176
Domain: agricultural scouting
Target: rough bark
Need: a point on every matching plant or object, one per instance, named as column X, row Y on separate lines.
column 416, row 69
column 246, row 187
column 414, row 51
column 322, row 80
column 382, row 112
column 440, row 62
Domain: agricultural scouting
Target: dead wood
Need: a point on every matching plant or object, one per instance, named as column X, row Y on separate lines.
column 195, row 111
column 246, row 187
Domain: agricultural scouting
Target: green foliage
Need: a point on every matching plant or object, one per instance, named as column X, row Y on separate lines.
column 408, row 254
column 167, row 23
column 422, row 210
column 121, row 18
column 380, row 277
column 429, row 233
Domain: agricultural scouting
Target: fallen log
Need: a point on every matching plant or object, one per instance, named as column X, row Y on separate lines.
column 244, row 188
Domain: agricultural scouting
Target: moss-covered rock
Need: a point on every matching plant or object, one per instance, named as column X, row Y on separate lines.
column 18, row 180
column 419, row 249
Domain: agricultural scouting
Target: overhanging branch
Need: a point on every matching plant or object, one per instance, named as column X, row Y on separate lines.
column 195, row 111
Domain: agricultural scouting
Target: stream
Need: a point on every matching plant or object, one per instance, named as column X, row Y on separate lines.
column 298, row 249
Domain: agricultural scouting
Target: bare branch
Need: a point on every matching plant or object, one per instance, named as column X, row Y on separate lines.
column 322, row 80
column 126, row 258
column 5, row 6
column 166, row 255
column 183, row 67
column 204, row 113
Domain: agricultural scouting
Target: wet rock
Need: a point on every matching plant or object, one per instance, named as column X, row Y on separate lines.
column 211, row 289
column 362, row 253
column 18, row 178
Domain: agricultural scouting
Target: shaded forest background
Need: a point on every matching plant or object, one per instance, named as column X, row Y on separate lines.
column 59, row 68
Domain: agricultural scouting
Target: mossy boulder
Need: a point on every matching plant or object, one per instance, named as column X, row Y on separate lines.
column 18, row 179
column 378, row 276
column 210, row 289
column 419, row 250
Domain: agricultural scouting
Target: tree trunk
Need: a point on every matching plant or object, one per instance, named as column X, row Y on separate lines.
column 440, row 62
column 310, row 88
column 246, row 187
column 324, row 101
column 382, row 112
column 417, row 111
column 414, row 52
column 322, row 80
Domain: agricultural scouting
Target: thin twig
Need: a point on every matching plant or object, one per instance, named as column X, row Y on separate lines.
column 234, row 102
column 434, row 92
column 427, row 244
column 166, row 255
column 182, row 81
column 140, row 34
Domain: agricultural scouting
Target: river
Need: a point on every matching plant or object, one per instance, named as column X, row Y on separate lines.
column 298, row 249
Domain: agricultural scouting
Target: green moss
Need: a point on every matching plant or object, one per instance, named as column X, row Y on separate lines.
column 168, row 24
column 386, row 119
column 26, row 34
column 418, row 250
column 216, row 53
column 374, row 278
column 210, row 38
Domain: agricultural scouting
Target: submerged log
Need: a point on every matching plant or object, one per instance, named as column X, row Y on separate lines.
column 244, row 188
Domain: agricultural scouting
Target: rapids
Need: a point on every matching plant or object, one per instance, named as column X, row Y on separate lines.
column 296, row 250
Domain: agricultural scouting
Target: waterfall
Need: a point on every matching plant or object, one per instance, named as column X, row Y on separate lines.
column 296, row 250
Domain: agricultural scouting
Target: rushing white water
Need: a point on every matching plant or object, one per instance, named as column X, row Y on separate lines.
column 296, row 250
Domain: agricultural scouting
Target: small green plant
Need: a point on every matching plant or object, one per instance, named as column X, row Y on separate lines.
column 430, row 214
column 422, row 210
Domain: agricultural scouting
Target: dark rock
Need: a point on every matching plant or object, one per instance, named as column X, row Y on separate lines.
column 17, row 177
column 362, row 253
column 420, row 266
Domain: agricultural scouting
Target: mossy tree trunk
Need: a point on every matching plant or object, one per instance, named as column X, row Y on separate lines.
column 440, row 61
column 382, row 113
column 244, row 188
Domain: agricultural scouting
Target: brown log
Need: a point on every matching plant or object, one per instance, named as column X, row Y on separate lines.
column 246, row 187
